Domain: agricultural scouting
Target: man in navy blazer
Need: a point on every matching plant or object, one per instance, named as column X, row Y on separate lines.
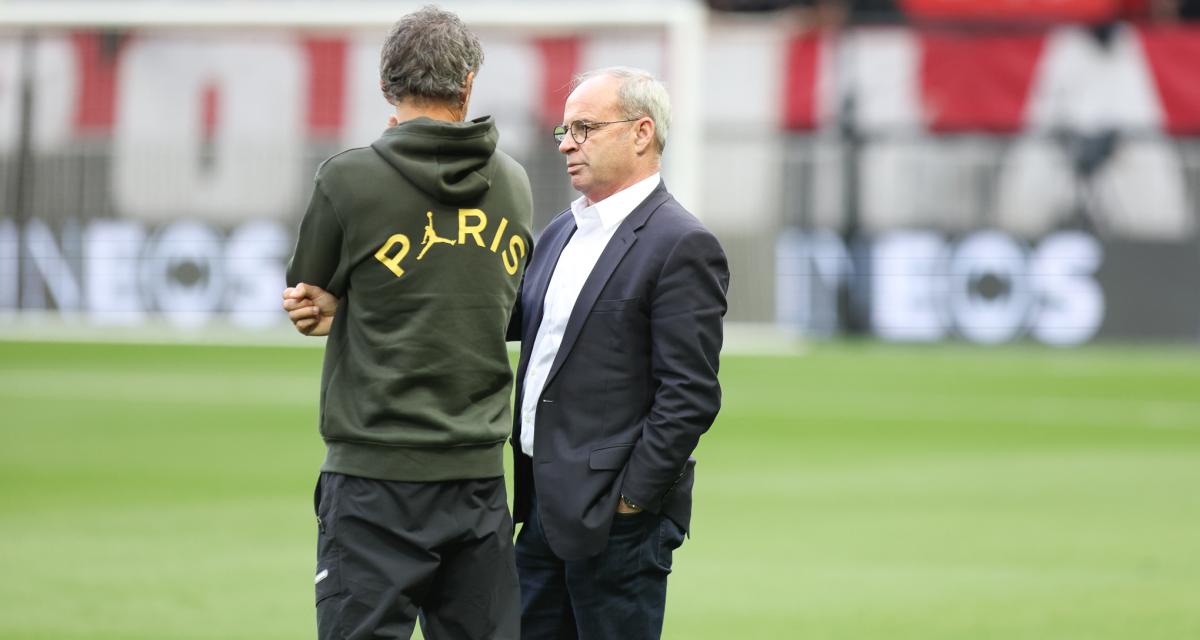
column 620, row 323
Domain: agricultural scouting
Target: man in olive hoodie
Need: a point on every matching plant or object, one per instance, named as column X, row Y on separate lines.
column 423, row 236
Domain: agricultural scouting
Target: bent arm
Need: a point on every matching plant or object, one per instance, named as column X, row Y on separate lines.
column 315, row 266
column 318, row 254
column 686, row 326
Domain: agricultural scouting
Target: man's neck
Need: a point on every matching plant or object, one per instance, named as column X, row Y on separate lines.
column 632, row 180
column 407, row 110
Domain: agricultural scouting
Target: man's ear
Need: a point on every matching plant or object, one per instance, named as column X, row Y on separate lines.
column 466, row 92
column 644, row 136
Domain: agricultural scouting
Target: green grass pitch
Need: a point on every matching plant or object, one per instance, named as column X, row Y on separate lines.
column 858, row 491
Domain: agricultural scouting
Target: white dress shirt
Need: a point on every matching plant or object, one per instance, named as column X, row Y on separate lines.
column 595, row 226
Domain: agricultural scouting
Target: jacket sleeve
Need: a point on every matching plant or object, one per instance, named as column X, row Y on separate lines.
column 687, row 309
column 514, row 319
column 317, row 259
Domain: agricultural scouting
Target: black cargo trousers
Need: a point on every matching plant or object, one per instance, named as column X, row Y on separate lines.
column 391, row 552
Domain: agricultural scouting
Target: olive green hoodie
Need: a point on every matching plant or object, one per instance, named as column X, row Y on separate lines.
column 424, row 236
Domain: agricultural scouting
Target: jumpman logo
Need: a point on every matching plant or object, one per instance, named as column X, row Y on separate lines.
column 431, row 237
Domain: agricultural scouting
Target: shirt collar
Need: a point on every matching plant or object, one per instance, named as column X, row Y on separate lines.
column 612, row 210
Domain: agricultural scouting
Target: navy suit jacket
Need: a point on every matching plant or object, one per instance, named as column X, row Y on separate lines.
column 634, row 384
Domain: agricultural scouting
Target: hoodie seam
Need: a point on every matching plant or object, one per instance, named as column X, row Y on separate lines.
column 373, row 443
column 333, row 207
column 321, row 168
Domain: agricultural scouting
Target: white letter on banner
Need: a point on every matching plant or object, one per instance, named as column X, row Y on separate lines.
column 989, row 290
column 254, row 258
column 46, row 265
column 833, row 267
column 1072, row 303
column 907, row 286
column 112, row 255
column 183, row 272
column 792, row 279
column 254, row 89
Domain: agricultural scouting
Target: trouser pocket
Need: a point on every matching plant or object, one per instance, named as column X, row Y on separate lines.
column 670, row 538
column 327, row 579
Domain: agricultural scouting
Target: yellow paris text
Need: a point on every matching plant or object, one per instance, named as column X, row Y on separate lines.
column 393, row 262
column 472, row 226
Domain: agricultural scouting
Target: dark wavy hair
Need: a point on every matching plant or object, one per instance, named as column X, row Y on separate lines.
column 427, row 57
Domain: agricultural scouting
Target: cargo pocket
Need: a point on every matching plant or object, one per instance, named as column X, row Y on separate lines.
column 327, row 579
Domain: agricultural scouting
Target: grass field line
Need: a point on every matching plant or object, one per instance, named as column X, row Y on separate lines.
column 904, row 410
column 741, row 338
column 963, row 474
column 162, row 387
column 887, row 406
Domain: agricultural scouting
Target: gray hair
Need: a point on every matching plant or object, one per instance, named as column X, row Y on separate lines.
column 640, row 95
column 427, row 57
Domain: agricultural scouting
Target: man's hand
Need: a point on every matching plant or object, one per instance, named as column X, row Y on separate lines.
column 310, row 308
column 624, row 507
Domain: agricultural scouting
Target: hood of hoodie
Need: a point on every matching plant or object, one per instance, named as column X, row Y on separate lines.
column 447, row 160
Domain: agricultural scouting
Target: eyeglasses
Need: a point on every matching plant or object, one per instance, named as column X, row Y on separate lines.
column 579, row 129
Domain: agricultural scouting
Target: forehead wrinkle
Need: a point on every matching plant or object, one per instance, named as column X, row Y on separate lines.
column 590, row 101
column 584, row 114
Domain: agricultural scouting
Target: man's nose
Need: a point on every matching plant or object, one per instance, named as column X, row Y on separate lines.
column 567, row 145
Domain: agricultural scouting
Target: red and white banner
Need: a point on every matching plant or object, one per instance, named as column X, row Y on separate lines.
column 88, row 84
column 965, row 81
column 1025, row 10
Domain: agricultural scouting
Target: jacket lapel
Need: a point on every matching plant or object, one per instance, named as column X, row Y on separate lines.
column 534, row 297
column 618, row 246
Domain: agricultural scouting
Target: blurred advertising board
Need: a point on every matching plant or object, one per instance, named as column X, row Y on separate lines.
column 917, row 185
column 989, row 287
